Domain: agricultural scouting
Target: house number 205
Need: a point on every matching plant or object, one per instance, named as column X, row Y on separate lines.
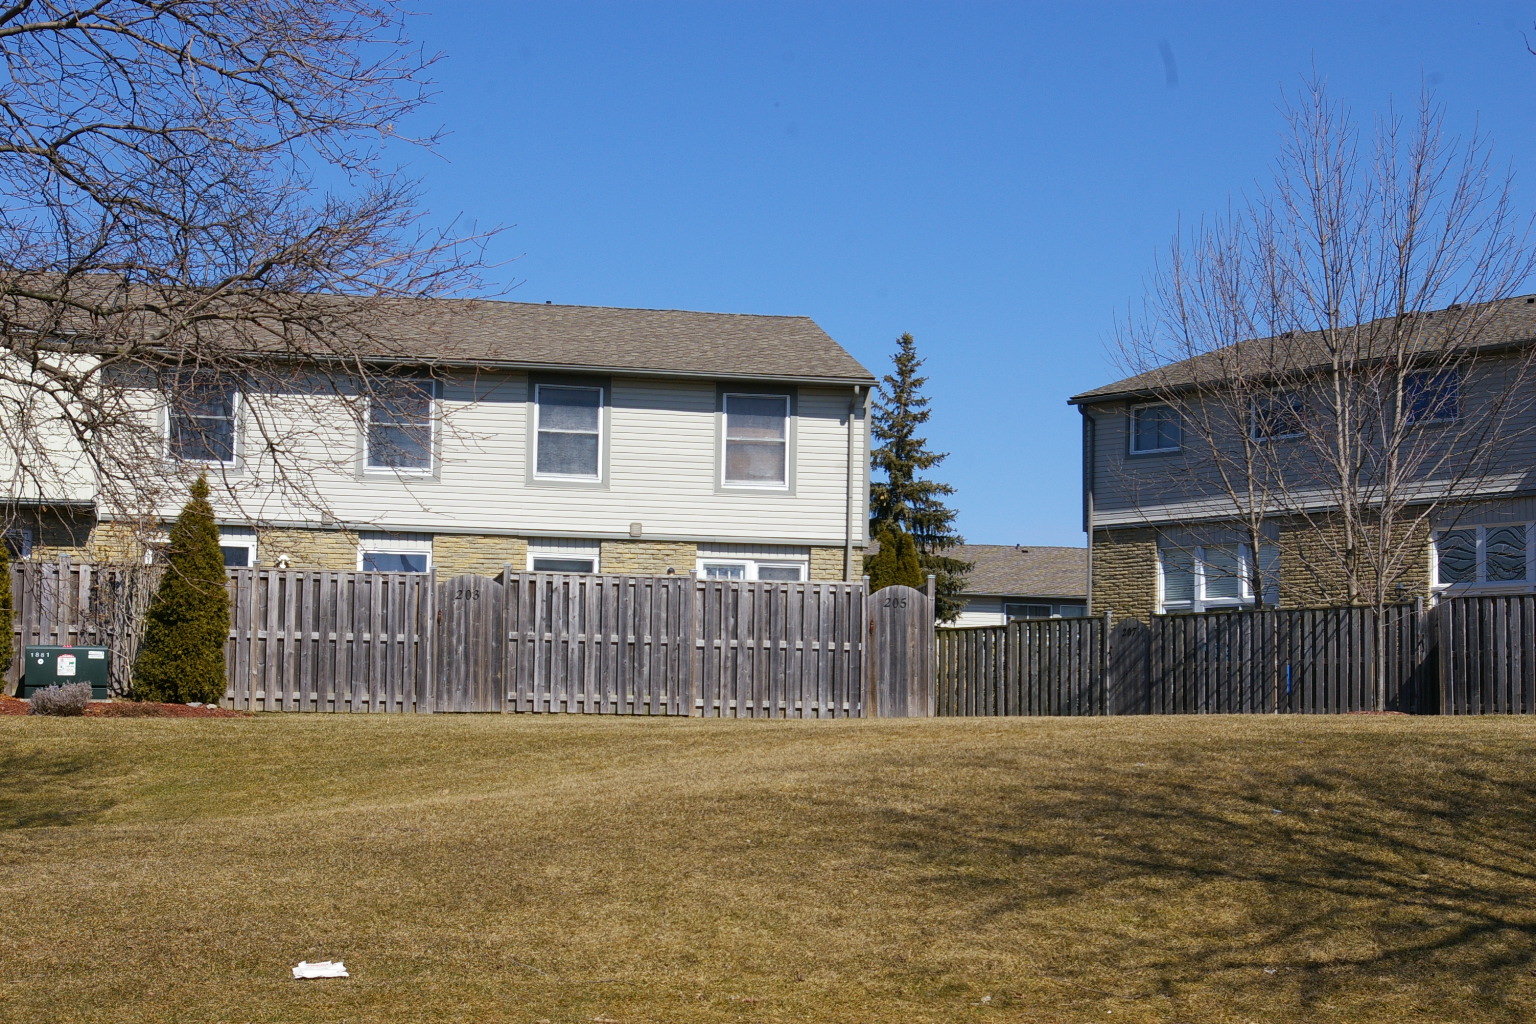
column 894, row 601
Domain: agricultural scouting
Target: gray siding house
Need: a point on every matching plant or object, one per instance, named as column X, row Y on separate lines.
column 1014, row 581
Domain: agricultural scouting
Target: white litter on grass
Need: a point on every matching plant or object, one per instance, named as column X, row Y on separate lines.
column 321, row 969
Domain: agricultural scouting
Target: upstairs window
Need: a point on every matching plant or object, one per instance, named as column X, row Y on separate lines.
column 1432, row 396
column 1154, row 428
column 400, row 426
column 1276, row 417
column 569, row 425
column 202, row 419
column 756, row 440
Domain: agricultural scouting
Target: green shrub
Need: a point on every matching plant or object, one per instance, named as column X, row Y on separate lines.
column 181, row 658
column 896, row 563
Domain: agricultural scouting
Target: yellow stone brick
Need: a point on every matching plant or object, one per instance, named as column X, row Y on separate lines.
column 1125, row 573
column 827, row 564
column 481, row 554
column 647, row 557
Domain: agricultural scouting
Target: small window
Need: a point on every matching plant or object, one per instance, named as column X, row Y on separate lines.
column 1276, row 417
column 569, row 428
column 1154, row 428
column 394, row 552
column 1027, row 611
column 724, row 570
column 752, row 570
column 238, row 543
column 757, row 440
column 202, row 419
column 400, row 425
column 18, row 543
column 1431, row 397
column 557, row 555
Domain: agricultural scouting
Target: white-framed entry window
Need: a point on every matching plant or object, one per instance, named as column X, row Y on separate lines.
column 1496, row 557
column 399, row 437
column 562, row 555
column 394, row 552
column 568, row 427
column 238, row 543
column 745, row 562
column 1207, row 577
column 756, row 441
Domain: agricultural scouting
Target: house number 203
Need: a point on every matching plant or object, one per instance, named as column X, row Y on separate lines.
column 466, row 594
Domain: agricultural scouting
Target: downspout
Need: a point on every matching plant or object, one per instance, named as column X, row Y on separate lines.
column 1090, row 453
column 855, row 474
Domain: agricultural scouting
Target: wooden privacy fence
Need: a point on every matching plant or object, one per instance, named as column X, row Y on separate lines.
column 544, row 642
column 1308, row 661
column 1487, row 655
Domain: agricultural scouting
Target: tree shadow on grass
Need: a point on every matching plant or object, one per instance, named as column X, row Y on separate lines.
column 40, row 789
column 1330, row 879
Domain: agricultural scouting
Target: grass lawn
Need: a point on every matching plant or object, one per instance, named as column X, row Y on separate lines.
column 576, row 869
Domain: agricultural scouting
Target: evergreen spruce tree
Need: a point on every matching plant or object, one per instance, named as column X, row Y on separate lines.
column 905, row 499
column 895, row 563
column 181, row 657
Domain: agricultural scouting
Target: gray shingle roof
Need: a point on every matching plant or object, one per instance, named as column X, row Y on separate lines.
column 1019, row 571
column 1484, row 325
column 666, row 341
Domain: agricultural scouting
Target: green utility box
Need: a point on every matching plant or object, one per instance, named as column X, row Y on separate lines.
column 51, row 665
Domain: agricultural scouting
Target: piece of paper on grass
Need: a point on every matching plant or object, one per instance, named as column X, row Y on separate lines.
column 321, row 969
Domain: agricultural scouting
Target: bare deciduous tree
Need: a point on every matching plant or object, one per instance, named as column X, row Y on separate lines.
column 1337, row 348
column 193, row 205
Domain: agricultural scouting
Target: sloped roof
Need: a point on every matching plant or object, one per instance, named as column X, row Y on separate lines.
column 1020, row 571
column 1487, row 325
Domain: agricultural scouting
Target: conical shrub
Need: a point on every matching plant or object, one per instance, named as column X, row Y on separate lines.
column 181, row 657
column 896, row 563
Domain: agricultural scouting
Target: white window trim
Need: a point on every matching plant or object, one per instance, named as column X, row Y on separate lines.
column 1480, row 560
column 725, row 443
column 240, row 540
column 590, row 550
column 753, row 567
column 1135, row 415
column 1199, row 602
column 412, row 471
column 399, row 544
column 602, row 398
column 168, row 415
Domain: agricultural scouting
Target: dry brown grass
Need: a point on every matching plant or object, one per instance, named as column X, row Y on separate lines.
column 571, row 869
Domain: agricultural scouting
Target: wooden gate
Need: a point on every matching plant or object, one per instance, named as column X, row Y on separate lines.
column 471, row 645
column 901, row 635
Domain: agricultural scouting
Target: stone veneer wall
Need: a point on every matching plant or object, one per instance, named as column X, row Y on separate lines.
column 1125, row 573
column 480, row 554
column 1311, row 578
column 308, row 549
column 827, row 564
column 647, row 557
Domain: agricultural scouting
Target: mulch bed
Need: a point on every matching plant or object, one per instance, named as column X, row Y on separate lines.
column 129, row 709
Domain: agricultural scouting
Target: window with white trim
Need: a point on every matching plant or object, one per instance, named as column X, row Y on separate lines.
column 400, row 426
column 394, row 552
column 1500, row 556
column 1211, row 576
column 568, row 424
column 200, row 419
column 1432, row 396
column 756, row 441
column 752, row 569
column 559, row 555
column 238, row 544
column 1277, row 417
column 1154, row 428
column 1037, row 610
column 18, row 542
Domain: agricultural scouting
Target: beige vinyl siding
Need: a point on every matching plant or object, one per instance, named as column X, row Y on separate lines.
column 981, row 611
column 661, row 440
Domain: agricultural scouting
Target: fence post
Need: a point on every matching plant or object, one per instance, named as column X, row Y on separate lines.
column 1104, row 652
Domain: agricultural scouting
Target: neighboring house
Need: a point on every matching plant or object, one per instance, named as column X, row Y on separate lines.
column 541, row 437
column 1164, row 537
column 1011, row 581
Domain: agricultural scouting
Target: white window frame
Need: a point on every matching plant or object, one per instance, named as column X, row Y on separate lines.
column 1135, row 417
column 430, row 468
column 602, row 440
column 752, row 568
column 171, row 413
column 394, row 543
column 239, row 537
column 1294, row 400
column 1480, row 561
column 725, row 442
column 1198, row 601
column 567, row 551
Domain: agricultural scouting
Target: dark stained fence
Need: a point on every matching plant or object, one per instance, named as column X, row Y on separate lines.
column 1486, row 653
column 1324, row 661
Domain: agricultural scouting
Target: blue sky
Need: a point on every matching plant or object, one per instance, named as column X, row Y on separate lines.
column 996, row 179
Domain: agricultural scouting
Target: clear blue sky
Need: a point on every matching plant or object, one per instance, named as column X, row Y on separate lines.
column 996, row 179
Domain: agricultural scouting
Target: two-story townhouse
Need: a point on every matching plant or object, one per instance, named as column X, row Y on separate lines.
column 536, row 437
column 1169, row 530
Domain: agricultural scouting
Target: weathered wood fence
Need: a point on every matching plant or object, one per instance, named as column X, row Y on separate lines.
column 1464, row 656
column 543, row 642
